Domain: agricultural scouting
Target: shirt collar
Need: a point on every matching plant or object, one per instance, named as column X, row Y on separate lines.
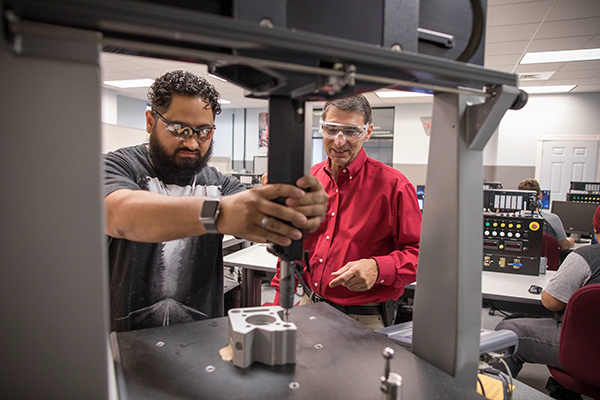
column 354, row 166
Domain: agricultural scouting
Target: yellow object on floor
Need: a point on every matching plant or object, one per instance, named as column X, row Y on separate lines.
column 493, row 387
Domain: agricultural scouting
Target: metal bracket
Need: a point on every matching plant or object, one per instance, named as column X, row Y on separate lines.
column 483, row 119
column 259, row 334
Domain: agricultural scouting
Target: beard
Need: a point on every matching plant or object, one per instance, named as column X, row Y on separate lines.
column 177, row 171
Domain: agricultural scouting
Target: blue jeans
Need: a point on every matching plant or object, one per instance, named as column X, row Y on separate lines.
column 538, row 342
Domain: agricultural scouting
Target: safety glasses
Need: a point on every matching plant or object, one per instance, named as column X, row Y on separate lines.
column 330, row 130
column 183, row 131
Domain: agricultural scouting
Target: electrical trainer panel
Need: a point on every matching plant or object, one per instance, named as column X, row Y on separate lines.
column 512, row 244
column 504, row 201
column 584, row 192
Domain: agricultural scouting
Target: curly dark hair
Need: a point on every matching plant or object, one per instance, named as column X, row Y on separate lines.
column 357, row 103
column 182, row 83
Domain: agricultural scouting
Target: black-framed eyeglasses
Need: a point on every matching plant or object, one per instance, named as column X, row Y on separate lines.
column 183, row 131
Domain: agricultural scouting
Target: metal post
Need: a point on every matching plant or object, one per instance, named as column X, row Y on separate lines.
column 54, row 287
column 447, row 315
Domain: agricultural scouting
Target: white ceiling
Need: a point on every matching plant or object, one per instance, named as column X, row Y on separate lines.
column 514, row 27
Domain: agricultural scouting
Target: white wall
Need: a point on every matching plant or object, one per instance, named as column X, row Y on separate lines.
column 576, row 114
column 114, row 137
column 223, row 135
column 109, row 106
column 130, row 112
column 411, row 144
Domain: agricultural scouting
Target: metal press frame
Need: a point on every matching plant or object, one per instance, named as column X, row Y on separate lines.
column 50, row 78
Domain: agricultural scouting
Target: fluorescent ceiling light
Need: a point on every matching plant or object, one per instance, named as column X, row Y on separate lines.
column 397, row 93
column 223, row 101
column 561, row 56
column 536, row 76
column 217, row 77
column 130, row 83
column 548, row 89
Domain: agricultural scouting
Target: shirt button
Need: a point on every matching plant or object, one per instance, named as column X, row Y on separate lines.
column 381, row 281
column 316, row 284
column 350, row 177
column 327, row 237
column 336, row 190
column 332, row 214
column 345, row 170
column 320, row 260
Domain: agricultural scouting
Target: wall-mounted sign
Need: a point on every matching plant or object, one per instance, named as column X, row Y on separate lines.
column 426, row 121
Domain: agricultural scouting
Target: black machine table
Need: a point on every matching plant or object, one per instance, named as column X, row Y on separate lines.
column 171, row 363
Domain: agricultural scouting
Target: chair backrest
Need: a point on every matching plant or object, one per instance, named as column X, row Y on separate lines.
column 551, row 251
column 579, row 348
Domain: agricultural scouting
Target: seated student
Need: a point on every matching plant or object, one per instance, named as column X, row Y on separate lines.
column 539, row 337
column 554, row 225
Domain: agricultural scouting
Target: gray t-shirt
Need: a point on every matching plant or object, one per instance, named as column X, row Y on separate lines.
column 580, row 268
column 154, row 284
column 554, row 226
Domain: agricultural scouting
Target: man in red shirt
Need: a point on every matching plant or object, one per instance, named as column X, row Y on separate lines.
column 367, row 248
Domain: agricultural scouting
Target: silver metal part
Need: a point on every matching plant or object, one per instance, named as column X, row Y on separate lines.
column 259, row 334
column 391, row 382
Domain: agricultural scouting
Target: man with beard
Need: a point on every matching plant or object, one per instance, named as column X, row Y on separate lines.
column 166, row 211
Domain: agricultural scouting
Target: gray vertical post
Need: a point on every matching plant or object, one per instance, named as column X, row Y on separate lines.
column 53, row 289
column 447, row 316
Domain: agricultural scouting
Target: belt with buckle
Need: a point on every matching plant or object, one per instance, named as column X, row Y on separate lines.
column 358, row 310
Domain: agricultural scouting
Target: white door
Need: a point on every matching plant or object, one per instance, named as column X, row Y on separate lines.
column 566, row 161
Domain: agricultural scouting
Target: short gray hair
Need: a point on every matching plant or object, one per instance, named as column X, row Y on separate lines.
column 357, row 103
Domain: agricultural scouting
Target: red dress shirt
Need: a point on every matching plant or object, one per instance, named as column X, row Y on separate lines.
column 372, row 212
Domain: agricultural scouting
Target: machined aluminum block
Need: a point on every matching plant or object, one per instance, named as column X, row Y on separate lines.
column 260, row 334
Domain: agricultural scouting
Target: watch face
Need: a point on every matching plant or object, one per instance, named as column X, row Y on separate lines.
column 209, row 208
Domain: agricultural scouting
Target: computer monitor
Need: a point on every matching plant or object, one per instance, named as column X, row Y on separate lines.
column 576, row 217
column 421, row 196
column 545, row 200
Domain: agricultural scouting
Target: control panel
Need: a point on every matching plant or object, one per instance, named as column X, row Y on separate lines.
column 512, row 244
column 584, row 197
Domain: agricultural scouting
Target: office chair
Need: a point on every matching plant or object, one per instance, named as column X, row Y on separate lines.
column 551, row 251
column 579, row 347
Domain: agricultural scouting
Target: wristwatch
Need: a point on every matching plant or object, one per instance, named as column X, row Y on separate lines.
column 209, row 215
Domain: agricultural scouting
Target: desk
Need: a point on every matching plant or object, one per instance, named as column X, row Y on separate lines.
column 229, row 240
column 348, row 366
column 505, row 291
column 509, row 292
column 255, row 261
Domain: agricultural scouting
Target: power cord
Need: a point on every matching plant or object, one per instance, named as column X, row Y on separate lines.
column 506, row 383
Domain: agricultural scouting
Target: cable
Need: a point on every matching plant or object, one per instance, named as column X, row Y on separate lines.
column 510, row 376
column 482, row 389
column 476, row 32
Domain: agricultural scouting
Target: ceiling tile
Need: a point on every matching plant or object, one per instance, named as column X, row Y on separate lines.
column 573, row 27
column 504, row 48
column 594, row 43
column 531, row 83
column 572, row 9
column 519, row 13
column 510, row 33
column 569, row 43
column 594, row 81
column 557, row 82
column 503, row 68
column 586, row 88
column 580, row 65
column 510, row 59
column 574, row 74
